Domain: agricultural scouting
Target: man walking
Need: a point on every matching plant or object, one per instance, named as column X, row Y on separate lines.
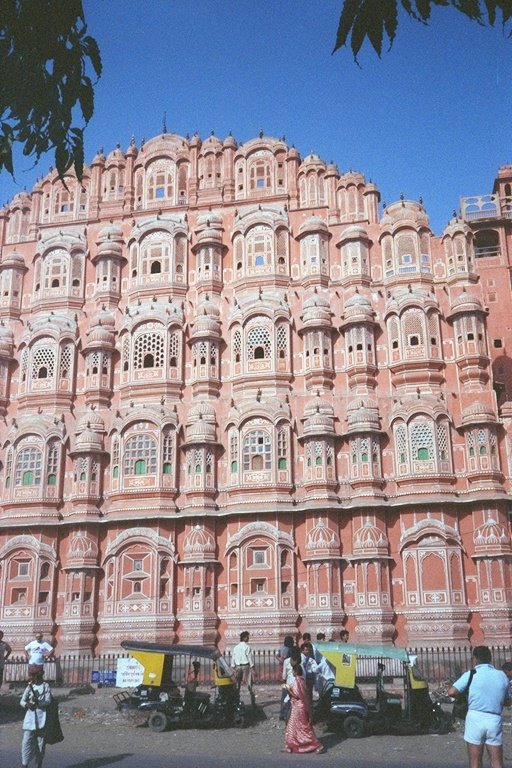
column 5, row 652
column 242, row 662
column 488, row 692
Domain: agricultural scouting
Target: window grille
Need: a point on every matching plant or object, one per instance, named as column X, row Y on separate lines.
column 470, row 442
column 52, row 463
column 233, row 445
column 66, row 357
column 174, row 349
column 93, row 363
column 140, row 448
column 28, row 467
column 24, row 365
column 149, row 350
column 422, row 441
column 43, row 362
column 442, row 441
column 237, row 346
column 401, row 443
column 126, row 352
column 259, row 344
column 413, row 326
column 257, row 444
column 282, row 340
column 282, row 445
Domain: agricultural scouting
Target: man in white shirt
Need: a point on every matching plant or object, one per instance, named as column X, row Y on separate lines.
column 242, row 662
column 37, row 652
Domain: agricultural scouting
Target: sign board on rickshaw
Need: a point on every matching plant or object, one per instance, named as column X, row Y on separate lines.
column 129, row 673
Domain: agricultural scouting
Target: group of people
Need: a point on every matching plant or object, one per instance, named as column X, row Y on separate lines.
column 36, row 697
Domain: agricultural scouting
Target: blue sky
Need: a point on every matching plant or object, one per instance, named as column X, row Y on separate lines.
column 432, row 118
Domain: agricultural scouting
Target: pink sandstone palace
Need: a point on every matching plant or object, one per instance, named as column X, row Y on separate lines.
column 237, row 394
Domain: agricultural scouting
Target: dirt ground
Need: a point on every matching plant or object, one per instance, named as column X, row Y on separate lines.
column 94, row 728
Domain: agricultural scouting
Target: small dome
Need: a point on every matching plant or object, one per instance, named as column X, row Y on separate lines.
column 358, row 309
column 115, row 156
column 211, row 142
column 199, row 545
column 351, row 177
column 90, row 420
column 405, row 211
column 229, row 141
column 363, row 417
column 203, row 410
column 369, row 538
column 101, row 332
column 478, row 413
column 13, row 260
column 316, row 310
column 99, row 157
column 209, row 219
column 353, row 232
column 466, row 302
column 88, row 440
column 312, row 160
column 322, row 541
column 491, row 535
column 82, row 550
column 210, row 235
column 313, row 224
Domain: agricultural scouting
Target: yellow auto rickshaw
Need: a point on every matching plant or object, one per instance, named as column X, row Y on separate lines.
column 407, row 711
column 161, row 698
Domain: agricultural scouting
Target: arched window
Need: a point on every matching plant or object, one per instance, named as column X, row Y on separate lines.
column 149, row 349
column 160, row 181
column 140, row 455
column 28, row 466
column 257, row 451
column 260, row 247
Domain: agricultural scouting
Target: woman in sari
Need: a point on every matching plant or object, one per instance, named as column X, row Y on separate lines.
column 299, row 735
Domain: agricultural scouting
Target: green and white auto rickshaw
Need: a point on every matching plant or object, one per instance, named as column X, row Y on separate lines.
column 407, row 711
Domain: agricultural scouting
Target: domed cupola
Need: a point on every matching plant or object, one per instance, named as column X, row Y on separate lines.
column 491, row 538
column 465, row 302
column 369, row 540
column 316, row 311
column 199, row 546
column 318, row 418
column 322, row 543
column 363, row 416
column 82, row 552
column 102, row 331
column 358, row 309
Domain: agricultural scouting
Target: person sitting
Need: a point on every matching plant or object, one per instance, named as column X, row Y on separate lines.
column 192, row 682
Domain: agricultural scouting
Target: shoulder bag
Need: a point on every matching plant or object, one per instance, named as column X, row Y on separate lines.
column 460, row 707
column 52, row 730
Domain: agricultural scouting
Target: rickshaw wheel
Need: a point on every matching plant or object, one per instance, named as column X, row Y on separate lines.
column 238, row 721
column 441, row 723
column 158, row 722
column 353, row 727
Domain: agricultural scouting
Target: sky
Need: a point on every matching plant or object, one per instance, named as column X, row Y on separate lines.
column 432, row 118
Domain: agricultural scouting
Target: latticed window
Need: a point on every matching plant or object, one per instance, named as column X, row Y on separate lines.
column 329, row 454
column 470, row 442
column 282, row 449
column 309, row 453
column 442, row 441
column 149, row 350
column 318, row 454
column 393, row 333
column 260, row 175
column 260, row 246
column 140, row 452
column 76, row 269
column 56, row 266
column 422, row 441
column 200, row 353
column 66, row 360
column 406, row 249
column 167, row 453
column 208, row 467
column 181, row 251
column 43, row 362
column 259, row 344
column 28, row 467
column 126, row 353
column 115, row 457
column 481, row 437
column 174, row 349
column 257, row 451
column 413, row 328
column 282, row 246
column 8, row 469
column 282, row 341
column 93, row 363
column 81, row 469
column 160, row 181
column 24, row 365
column 52, row 463
column 233, row 450
column 237, row 346
column 401, row 443
column 156, row 254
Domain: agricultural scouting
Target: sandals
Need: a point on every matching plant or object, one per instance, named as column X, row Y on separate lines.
column 320, row 750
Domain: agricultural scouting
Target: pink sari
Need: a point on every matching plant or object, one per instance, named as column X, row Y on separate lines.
column 299, row 735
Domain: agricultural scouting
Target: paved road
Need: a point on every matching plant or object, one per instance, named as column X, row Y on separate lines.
column 96, row 736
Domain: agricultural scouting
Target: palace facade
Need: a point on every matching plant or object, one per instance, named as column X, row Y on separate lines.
column 236, row 392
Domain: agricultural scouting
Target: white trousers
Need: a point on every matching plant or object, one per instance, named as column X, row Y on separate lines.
column 32, row 748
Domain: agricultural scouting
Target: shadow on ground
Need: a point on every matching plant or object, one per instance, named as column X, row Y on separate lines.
column 98, row 762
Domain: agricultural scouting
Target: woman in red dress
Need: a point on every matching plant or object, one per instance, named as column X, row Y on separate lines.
column 299, row 735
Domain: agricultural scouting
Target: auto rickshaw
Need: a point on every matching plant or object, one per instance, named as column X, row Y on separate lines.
column 160, row 697
column 342, row 704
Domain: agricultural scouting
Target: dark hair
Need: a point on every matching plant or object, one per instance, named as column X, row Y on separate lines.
column 344, row 633
column 306, row 637
column 306, row 645
column 244, row 636
column 298, row 670
column 320, row 636
column 482, row 654
column 196, row 664
column 507, row 666
column 295, row 655
column 288, row 642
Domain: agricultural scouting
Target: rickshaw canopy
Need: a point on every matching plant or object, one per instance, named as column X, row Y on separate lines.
column 157, row 660
column 343, row 658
